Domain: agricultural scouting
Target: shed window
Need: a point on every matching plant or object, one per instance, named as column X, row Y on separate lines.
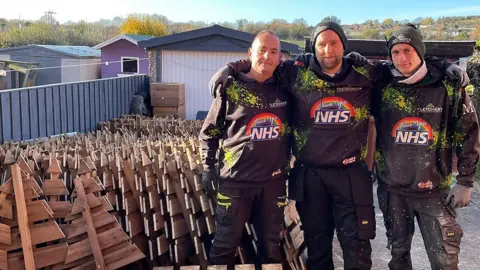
column 130, row 64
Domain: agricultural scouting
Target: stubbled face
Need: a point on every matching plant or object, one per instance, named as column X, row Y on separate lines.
column 265, row 54
column 405, row 59
column 329, row 51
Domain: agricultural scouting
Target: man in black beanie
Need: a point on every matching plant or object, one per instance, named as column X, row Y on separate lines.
column 424, row 120
column 329, row 181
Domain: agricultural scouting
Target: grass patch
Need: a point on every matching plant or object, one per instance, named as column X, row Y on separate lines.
column 300, row 43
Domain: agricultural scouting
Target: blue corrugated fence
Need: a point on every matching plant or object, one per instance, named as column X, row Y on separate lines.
column 40, row 111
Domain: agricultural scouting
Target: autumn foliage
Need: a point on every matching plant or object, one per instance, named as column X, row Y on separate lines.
column 143, row 25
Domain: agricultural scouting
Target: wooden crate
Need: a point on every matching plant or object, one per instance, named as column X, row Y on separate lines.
column 168, row 111
column 167, row 94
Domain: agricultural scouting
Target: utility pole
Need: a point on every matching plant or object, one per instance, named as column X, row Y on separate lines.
column 49, row 16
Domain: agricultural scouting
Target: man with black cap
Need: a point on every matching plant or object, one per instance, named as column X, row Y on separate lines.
column 329, row 182
column 424, row 118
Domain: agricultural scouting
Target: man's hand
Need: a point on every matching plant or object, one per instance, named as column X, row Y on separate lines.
column 210, row 182
column 357, row 59
column 454, row 72
column 459, row 196
column 219, row 79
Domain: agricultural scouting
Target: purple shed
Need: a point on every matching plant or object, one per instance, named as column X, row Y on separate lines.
column 121, row 56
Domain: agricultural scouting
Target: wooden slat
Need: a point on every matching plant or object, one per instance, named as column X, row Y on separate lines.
column 45, row 232
column 129, row 176
column 7, row 187
column 92, row 235
column 37, row 210
column 6, row 209
column 135, row 223
column 54, row 188
column 100, row 219
column 91, row 200
column 3, row 260
column 62, row 266
column 106, row 239
column 123, row 257
column 22, row 218
column 162, row 244
column 158, row 221
column 29, row 193
column 44, row 256
column 33, row 184
column 60, row 209
column 5, row 234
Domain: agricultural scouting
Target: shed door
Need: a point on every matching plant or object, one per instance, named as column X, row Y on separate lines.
column 195, row 69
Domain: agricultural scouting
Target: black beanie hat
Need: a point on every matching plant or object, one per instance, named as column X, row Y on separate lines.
column 408, row 35
column 328, row 25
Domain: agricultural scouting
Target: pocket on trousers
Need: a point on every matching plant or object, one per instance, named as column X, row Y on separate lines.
column 362, row 193
column 451, row 238
column 366, row 222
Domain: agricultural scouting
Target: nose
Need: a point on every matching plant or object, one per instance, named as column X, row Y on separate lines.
column 403, row 57
column 328, row 49
column 266, row 55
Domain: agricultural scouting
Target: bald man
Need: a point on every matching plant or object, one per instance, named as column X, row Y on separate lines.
column 250, row 119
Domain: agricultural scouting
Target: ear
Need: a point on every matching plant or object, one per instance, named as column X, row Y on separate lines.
column 250, row 54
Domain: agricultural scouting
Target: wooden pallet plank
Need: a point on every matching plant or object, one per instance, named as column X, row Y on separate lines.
column 37, row 210
column 3, row 260
column 60, row 208
column 44, row 256
column 106, row 239
column 6, row 209
column 92, row 235
column 123, row 257
column 54, row 188
column 92, row 203
column 22, row 217
column 100, row 219
column 45, row 232
column 5, row 234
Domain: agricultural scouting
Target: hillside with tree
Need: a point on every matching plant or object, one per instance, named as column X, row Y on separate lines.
column 47, row 30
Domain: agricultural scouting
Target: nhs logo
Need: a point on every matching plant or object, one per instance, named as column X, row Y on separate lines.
column 261, row 133
column 412, row 137
column 332, row 117
column 412, row 131
column 332, row 110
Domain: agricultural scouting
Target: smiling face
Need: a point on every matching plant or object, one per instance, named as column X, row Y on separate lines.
column 265, row 54
column 405, row 59
column 329, row 51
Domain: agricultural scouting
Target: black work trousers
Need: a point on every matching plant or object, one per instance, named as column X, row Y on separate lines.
column 440, row 231
column 340, row 198
column 235, row 206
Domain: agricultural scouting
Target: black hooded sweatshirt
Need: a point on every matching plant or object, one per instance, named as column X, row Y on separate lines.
column 420, row 127
column 330, row 113
column 250, row 119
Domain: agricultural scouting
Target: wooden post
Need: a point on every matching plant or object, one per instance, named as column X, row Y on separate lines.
column 92, row 234
column 22, row 218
